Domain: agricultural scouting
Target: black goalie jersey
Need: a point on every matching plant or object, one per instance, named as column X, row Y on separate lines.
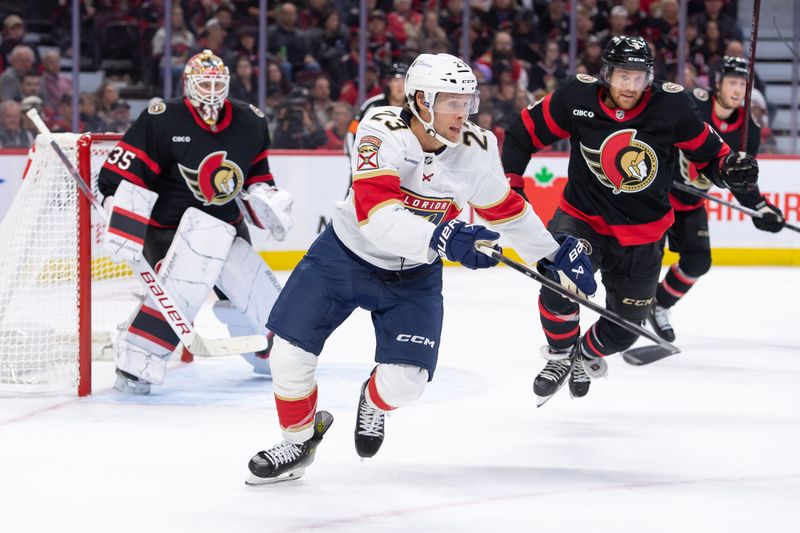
column 731, row 132
column 620, row 166
column 171, row 151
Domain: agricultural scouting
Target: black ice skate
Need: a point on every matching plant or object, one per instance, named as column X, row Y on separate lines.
column 554, row 373
column 659, row 319
column 286, row 461
column 584, row 369
column 369, row 431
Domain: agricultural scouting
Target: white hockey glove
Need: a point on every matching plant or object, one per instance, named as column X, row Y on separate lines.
column 270, row 208
column 130, row 210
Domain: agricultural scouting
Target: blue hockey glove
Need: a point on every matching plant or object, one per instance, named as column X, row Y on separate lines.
column 571, row 266
column 456, row 242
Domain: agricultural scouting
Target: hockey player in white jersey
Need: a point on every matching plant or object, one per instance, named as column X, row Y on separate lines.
column 414, row 170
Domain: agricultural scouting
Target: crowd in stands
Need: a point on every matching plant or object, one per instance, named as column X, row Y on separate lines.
column 517, row 48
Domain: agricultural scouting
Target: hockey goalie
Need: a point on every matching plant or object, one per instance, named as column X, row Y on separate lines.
column 170, row 187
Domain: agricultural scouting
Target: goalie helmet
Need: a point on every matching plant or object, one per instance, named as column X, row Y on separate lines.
column 630, row 53
column 441, row 73
column 206, row 81
column 731, row 66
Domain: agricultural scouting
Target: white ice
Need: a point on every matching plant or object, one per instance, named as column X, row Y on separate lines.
column 707, row 440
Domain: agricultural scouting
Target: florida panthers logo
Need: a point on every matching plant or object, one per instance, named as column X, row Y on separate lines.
column 216, row 181
column 622, row 163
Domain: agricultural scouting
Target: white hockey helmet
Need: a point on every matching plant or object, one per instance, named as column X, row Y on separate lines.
column 206, row 84
column 441, row 73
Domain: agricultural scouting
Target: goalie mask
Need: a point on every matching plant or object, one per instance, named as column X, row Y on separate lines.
column 448, row 86
column 206, row 80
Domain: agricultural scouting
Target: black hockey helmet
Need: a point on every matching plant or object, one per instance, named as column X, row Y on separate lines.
column 631, row 53
column 731, row 66
column 398, row 70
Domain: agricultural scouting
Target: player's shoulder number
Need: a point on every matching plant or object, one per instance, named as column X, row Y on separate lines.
column 474, row 133
column 390, row 119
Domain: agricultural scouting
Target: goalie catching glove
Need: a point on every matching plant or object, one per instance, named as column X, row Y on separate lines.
column 128, row 217
column 270, row 208
column 570, row 266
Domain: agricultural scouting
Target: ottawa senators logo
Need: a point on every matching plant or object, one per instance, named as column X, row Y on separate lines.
column 622, row 163
column 216, row 181
column 690, row 174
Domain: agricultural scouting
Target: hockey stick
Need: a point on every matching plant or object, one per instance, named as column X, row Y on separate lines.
column 662, row 348
column 751, row 73
column 737, row 207
column 199, row 346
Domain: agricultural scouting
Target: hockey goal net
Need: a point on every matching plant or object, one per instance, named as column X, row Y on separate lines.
column 61, row 299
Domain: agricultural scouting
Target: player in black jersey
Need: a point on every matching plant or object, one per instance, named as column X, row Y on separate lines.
column 177, row 171
column 688, row 236
column 625, row 132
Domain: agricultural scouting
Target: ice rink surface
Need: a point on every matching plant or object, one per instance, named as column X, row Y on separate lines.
column 708, row 440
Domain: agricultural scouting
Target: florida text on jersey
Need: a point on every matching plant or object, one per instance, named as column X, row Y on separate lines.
column 400, row 193
column 171, row 151
column 729, row 129
column 620, row 166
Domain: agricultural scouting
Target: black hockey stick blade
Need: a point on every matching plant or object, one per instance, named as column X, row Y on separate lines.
column 644, row 355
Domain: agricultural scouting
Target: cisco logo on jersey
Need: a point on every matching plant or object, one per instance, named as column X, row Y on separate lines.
column 623, row 163
column 583, row 113
column 216, row 181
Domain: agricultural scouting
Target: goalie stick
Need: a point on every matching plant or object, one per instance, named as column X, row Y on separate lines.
column 196, row 344
column 737, row 207
column 661, row 348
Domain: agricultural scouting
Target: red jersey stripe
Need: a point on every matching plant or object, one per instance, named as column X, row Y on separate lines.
column 626, row 234
column 697, row 142
column 375, row 192
column 510, row 208
column 677, row 205
column 143, row 157
column 555, row 129
column 529, row 125
column 127, row 175
column 260, row 157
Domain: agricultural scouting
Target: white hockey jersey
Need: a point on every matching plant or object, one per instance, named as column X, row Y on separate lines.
column 400, row 194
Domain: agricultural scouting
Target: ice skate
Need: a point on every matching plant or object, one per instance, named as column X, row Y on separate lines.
column 659, row 319
column 554, row 373
column 369, row 431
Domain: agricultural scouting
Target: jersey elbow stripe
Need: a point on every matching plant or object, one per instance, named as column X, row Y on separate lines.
column 696, row 142
column 143, row 157
column 263, row 178
column 126, row 175
column 555, row 129
column 260, row 157
column 527, row 121
column 511, row 208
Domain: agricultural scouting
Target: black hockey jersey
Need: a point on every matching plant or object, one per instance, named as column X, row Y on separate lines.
column 731, row 132
column 171, row 151
column 620, row 167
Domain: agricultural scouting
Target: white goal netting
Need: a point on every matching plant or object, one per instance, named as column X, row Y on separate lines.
column 40, row 318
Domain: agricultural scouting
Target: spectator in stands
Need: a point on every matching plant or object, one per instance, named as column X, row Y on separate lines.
column 591, row 57
column 120, row 116
column 289, row 44
column 725, row 23
column 31, row 85
column 61, row 119
column 349, row 91
column 713, row 45
column 451, row 18
column 201, row 14
column 504, row 94
column 56, row 85
column 501, row 15
column 546, row 74
column 381, row 42
column 277, row 84
column 107, row 94
column 13, row 35
column 336, row 130
column 554, row 24
column 638, row 21
column 212, row 37
column 182, row 42
column 330, row 43
column 617, row 24
column 297, row 127
column 403, row 22
column 584, row 28
column 526, row 40
column 485, row 120
column 429, row 33
column 312, row 16
column 20, row 62
column 598, row 12
column 690, row 77
column 321, row 103
column 224, row 14
column 244, row 85
column 665, row 27
column 247, row 45
column 87, row 113
column 502, row 52
column 12, row 134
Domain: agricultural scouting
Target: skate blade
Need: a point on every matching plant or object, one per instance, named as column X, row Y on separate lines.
column 253, row 480
column 541, row 400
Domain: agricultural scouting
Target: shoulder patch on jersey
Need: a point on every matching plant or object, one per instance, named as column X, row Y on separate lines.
column 156, row 108
column 368, row 152
column 700, row 94
column 670, row 87
column 585, row 78
column 257, row 111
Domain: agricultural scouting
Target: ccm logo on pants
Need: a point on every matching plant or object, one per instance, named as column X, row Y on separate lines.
column 416, row 339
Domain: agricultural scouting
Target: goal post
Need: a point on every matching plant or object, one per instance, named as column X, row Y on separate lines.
column 61, row 298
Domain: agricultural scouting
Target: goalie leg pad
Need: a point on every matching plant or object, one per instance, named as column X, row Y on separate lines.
column 238, row 324
column 295, row 389
column 188, row 272
column 392, row 386
column 129, row 216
